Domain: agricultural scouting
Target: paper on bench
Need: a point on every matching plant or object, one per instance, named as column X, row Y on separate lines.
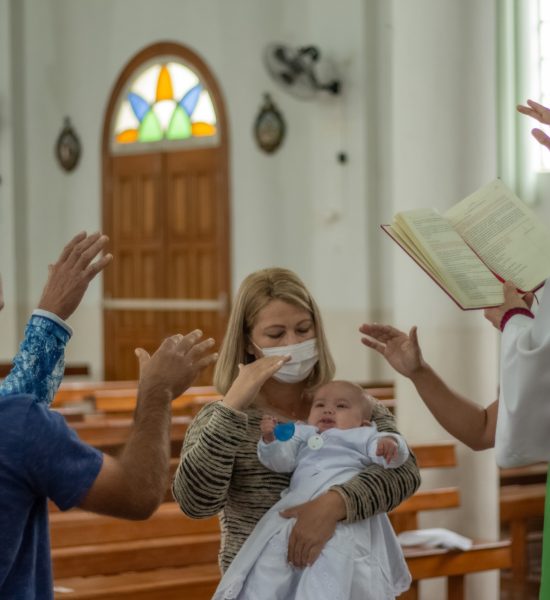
column 436, row 537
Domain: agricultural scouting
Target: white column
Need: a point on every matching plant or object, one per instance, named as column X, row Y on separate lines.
column 443, row 147
column 8, row 185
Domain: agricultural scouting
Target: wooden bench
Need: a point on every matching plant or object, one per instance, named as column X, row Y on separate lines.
column 110, row 435
column 167, row 556
column 522, row 495
column 118, row 399
column 426, row 563
column 524, row 475
column 171, row 556
column 71, row 369
column 520, row 504
column 74, row 391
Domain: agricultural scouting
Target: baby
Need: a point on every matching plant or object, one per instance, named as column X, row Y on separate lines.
column 363, row 560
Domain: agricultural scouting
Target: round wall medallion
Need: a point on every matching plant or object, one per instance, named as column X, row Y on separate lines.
column 269, row 129
column 68, row 147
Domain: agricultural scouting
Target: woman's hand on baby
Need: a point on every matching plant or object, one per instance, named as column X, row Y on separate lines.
column 267, row 425
column 251, row 378
column 388, row 448
column 316, row 522
column 402, row 351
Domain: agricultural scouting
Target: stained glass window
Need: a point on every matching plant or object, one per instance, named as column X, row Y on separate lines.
column 166, row 102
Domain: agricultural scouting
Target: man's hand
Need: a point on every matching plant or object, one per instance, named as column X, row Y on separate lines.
column 512, row 299
column 387, row 447
column 542, row 115
column 316, row 521
column 70, row 276
column 174, row 366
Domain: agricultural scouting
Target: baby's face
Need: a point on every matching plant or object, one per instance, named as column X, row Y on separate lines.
column 339, row 405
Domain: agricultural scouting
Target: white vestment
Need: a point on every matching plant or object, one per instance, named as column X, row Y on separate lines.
column 362, row 561
column 523, row 423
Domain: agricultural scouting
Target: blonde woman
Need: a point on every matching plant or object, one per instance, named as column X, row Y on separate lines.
column 274, row 353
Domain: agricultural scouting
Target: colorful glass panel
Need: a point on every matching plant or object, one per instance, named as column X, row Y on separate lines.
column 180, row 125
column 203, row 129
column 189, row 101
column 166, row 101
column 164, row 85
column 127, row 137
column 150, row 129
column 139, row 105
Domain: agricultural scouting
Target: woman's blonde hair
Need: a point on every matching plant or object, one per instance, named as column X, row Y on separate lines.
column 256, row 292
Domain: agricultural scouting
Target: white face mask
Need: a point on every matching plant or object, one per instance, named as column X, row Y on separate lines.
column 304, row 357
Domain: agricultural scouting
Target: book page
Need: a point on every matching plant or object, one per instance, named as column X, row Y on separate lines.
column 445, row 255
column 509, row 237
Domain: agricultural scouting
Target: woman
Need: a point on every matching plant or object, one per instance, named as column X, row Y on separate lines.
column 273, row 354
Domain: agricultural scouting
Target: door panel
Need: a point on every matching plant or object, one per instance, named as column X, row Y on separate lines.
column 167, row 220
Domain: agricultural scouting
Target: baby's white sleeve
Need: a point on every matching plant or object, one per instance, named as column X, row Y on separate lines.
column 279, row 456
column 402, row 450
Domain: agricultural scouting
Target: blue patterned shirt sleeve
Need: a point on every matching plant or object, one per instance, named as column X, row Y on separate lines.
column 39, row 365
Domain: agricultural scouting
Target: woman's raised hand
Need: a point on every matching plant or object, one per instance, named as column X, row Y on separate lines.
column 251, row 378
column 402, row 351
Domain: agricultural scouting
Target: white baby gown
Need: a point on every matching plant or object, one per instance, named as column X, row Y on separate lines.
column 362, row 561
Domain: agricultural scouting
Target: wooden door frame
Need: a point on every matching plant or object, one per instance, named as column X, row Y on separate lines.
column 188, row 56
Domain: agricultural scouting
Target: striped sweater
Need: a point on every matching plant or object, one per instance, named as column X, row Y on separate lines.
column 219, row 473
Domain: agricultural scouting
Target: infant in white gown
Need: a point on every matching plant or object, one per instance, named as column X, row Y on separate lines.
column 363, row 560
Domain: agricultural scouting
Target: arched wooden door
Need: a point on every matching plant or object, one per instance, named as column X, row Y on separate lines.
column 165, row 206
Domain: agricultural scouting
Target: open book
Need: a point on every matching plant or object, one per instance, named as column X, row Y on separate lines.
column 489, row 237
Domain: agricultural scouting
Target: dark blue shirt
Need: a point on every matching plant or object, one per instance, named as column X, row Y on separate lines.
column 40, row 458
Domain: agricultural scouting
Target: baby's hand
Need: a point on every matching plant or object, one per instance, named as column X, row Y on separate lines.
column 267, row 425
column 387, row 447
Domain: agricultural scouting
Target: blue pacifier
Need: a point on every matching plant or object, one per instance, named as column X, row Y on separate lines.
column 284, row 431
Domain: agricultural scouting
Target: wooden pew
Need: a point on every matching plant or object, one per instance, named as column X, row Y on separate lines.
column 123, row 402
column 167, row 556
column 118, row 399
column 524, row 475
column 75, row 391
column 110, row 435
column 520, row 504
column 196, row 582
column 71, row 369
column 175, row 557
column 426, row 563
column 522, row 495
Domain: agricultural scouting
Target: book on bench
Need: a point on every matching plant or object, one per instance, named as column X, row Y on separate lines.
column 489, row 237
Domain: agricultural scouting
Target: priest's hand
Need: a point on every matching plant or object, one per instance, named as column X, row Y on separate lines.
column 512, row 299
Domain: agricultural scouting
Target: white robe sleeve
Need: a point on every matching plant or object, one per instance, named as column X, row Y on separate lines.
column 523, row 424
column 282, row 457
